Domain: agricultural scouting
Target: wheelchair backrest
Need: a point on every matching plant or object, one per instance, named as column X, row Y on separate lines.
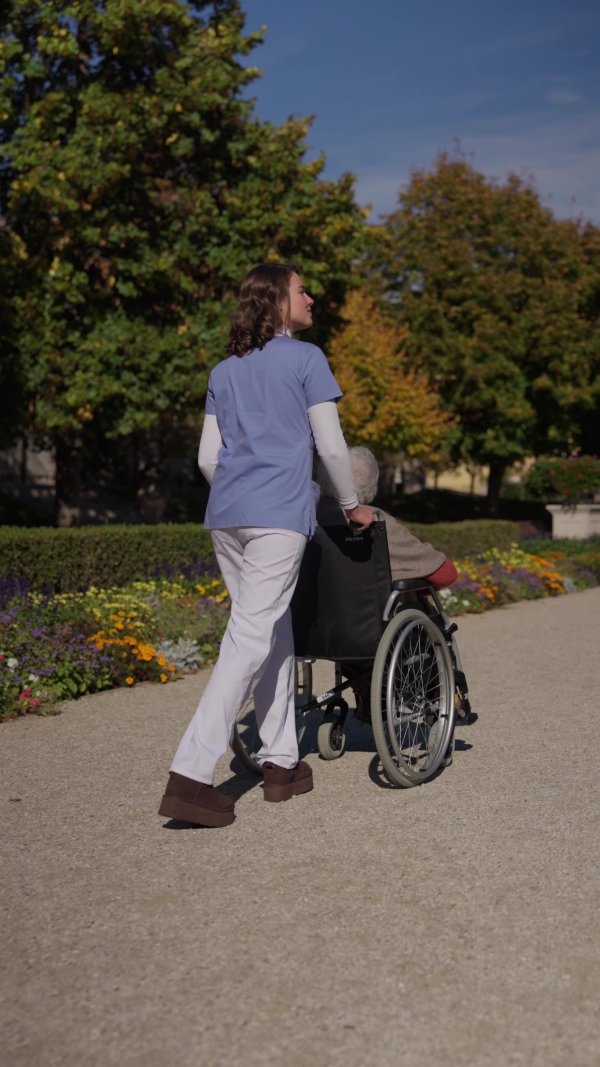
column 343, row 586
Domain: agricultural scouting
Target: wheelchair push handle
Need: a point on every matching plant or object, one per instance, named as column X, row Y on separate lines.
column 360, row 518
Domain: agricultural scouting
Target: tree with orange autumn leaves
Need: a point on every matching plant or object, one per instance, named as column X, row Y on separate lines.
column 387, row 405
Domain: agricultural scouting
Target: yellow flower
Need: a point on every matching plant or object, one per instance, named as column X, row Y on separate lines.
column 164, row 677
column 130, row 680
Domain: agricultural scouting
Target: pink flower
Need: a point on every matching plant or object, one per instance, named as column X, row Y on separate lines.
column 34, row 703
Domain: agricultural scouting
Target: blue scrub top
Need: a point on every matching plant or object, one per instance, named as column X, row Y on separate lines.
column 264, row 470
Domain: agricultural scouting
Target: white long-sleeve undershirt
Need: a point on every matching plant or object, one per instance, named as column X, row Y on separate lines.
column 329, row 441
column 333, row 451
column 210, row 443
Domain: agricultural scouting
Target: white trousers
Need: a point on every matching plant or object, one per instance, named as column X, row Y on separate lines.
column 260, row 568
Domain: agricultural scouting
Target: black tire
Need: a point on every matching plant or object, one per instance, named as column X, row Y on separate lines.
column 412, row 698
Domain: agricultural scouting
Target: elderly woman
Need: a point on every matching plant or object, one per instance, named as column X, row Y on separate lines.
column 409, row 557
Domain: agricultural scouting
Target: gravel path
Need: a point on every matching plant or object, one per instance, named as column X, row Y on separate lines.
column 359, row 925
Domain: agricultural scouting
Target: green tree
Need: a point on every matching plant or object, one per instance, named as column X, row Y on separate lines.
column 12, row 387
column 142, row 188
column 588, row 436
column 501, row 301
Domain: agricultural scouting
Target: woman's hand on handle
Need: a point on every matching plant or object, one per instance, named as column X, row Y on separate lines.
column 360, row 517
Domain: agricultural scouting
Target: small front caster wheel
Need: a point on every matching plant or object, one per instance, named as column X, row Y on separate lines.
column 331, row 737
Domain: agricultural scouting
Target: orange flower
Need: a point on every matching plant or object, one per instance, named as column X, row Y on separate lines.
column 164, row 678
column 130, row 680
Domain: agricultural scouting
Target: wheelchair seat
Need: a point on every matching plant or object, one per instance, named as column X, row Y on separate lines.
column 410, row 585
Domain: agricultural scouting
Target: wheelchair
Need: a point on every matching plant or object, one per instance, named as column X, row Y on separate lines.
column 390, row 641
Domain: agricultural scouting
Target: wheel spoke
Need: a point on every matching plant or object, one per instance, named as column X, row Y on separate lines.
column 414, row 719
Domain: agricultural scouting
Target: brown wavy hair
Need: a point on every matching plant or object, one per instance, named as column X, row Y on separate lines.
column 258, row 315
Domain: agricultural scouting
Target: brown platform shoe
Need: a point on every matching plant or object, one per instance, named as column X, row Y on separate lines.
column 194, row 802
column 282, row 784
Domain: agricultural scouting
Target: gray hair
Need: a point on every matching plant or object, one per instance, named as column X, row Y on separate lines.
column 365, row 472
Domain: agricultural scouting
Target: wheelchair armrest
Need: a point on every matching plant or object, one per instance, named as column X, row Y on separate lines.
column 407, row 585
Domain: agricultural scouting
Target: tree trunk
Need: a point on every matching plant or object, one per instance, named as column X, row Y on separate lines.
column 68, row 480
column 494, row 486
column 153, row 486
column 23, row 464
column 590, row 432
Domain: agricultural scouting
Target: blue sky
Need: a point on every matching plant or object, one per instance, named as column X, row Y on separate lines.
column 391, row 83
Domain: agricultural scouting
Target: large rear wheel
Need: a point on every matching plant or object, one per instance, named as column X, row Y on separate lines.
column 412, row 698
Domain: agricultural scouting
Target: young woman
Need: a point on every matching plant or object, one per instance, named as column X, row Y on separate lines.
column 266, row 405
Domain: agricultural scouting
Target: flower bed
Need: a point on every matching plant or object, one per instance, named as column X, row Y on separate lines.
column 496, row 578
column 58, row 646
column 55, row 647
column 565, row 480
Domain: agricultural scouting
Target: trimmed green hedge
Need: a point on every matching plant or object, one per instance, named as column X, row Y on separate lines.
column 71, row 559
column 67, row 560
column 463, row 540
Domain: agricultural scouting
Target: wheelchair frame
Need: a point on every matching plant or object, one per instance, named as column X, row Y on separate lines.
column 404, row 597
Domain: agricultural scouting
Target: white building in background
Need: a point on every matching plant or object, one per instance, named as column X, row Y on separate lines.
column 461, row 480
